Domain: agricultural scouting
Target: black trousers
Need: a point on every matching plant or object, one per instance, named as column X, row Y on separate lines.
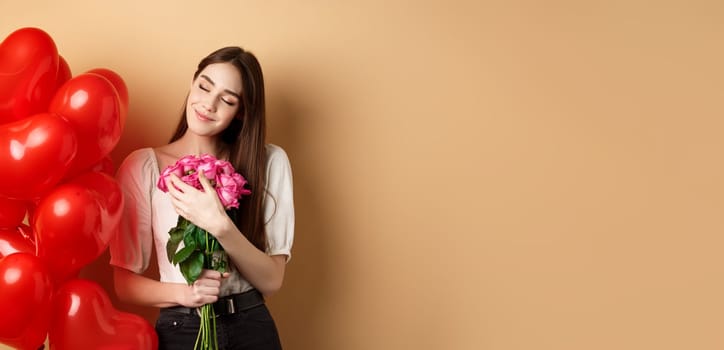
column 252, row 329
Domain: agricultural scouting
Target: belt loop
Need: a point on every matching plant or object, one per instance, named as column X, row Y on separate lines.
column 230, row 305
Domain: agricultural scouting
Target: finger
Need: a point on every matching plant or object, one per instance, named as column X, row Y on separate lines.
column 177, row 198
column 213, row 274
column 174, row 184
column 170, row 185
column 179, row 190
column 177, row 203
column 180, row 184
column 205, row 183
column 215, row 279
column 209, row 282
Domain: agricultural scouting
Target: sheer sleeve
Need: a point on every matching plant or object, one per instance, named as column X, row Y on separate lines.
column 279, row 203
column 131, row 247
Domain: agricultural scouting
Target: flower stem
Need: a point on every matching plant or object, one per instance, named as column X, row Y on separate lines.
column 207, row 336
column 198, row 336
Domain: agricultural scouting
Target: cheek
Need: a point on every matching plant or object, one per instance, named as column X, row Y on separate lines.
column 193, row 97
column 225, row 115
column 189, row 110
column 229, row 112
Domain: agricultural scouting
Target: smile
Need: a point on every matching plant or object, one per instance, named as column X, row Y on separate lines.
column 202, row 117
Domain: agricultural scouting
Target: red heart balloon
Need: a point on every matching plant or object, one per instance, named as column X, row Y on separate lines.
column 105, row 166
column 31, row 212
column 111, row 198
column 82, row 317
column 120, row 86
column 12, row 212
column 63, row 73
column 92, row 106
column 28, row 73
column 17, row 240
column 67, row 223
column 25, row 296
column 35, row 153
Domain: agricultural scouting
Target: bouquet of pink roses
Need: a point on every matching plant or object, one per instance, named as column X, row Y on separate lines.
column 228, row 183
column 201, row 250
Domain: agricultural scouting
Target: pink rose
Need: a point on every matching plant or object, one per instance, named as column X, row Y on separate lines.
column 208, row 167
column 229, row 184
column 192, row 180
column 225, row 167
column 176, row 169
column 230, row 188
column 207, row 158
column 228, row 192
column 227, row 199
column 181, row 168
column 241, row 181
column 189, row 163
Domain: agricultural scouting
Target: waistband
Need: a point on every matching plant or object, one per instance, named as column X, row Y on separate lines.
column 227, row 305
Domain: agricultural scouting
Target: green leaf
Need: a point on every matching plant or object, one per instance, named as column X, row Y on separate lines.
column 191, row 267
column 181, row 221
column 183, row 254
column 176, row 235
column 190, row 235
column 200, row 237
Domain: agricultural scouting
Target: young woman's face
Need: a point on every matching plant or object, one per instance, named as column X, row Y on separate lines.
column 213, row 99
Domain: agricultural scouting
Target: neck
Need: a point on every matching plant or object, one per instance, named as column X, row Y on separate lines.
column 197, row 145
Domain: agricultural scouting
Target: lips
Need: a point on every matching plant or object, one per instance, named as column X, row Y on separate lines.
column 202, row 117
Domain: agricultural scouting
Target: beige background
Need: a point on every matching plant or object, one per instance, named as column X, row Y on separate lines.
column 481, row 174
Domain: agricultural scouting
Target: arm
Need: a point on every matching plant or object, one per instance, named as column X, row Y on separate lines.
column 264, row 272
column 141, row 290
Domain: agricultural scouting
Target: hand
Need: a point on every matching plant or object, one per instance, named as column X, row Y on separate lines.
column 205, row 290
column 203, row 208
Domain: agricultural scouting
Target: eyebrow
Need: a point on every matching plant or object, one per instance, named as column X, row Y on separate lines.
column 226, row 90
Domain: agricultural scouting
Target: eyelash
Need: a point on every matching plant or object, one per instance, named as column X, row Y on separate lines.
column 207, row 90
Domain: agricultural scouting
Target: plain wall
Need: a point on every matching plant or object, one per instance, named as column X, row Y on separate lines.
column 481, row 174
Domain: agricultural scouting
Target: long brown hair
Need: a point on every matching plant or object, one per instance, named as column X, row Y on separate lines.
column 244, row 139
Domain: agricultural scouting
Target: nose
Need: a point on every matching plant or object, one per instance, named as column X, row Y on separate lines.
column 209, row 104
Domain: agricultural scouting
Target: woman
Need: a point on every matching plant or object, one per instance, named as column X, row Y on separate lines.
column 224, row 117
